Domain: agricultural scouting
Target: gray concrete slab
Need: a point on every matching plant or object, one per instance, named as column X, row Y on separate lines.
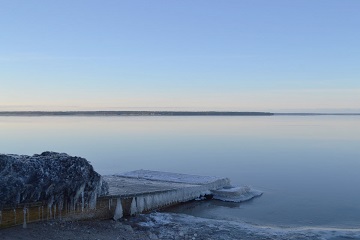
column 128, row 187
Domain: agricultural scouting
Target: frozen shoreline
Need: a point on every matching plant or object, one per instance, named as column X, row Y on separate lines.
column 59, row 230
column 170, row 226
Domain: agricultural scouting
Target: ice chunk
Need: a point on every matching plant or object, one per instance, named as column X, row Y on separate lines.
column 235, row 194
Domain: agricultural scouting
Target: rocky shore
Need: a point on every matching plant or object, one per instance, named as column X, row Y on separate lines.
column 61, row 230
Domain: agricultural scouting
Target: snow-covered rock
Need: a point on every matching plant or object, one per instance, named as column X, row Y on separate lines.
column 49, row 177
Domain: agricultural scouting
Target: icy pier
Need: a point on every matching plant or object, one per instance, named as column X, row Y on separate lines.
column 143, row 190
column 125, row 194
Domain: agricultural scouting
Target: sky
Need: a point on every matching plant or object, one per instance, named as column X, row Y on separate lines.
column 238, row 55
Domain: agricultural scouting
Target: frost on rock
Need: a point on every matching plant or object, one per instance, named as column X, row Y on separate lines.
column 50, row 177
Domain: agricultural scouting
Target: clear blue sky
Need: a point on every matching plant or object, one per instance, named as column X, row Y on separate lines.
column 258, row 55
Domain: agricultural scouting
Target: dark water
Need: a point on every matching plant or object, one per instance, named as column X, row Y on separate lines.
column 308, row 167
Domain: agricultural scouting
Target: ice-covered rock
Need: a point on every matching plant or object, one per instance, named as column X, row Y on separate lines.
column 49, row 177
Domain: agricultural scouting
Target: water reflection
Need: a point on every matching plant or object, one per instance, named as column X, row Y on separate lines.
column 307, row 166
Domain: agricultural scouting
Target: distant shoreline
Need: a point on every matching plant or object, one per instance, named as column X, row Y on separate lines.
column 317, row 114
column 160, row 113
column 131, row 113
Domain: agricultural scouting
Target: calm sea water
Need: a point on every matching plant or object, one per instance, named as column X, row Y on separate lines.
column 308, row 167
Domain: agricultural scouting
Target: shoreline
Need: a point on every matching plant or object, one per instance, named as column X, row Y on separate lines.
column 132, row 113
column 162, row 225
column 160, row 113
column 86, row 229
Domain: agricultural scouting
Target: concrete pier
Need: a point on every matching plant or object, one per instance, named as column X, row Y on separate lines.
column 129, row 194
column 150, row 190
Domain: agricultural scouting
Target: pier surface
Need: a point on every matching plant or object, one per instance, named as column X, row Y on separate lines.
column 149, row 182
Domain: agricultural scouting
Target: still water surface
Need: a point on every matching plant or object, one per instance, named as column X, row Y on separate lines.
column 307, row 166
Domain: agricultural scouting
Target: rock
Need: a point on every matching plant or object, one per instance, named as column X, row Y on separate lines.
column 49, row 177
column 152, row 236
column 127, row 228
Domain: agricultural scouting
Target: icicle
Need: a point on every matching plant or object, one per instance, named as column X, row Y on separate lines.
column 78, row 192
column 133, row 208
column 50, row 203
column 39, row 211
column 0, row 217
column 14, row 215
column 148, row 202
column 28, row 214
column 73, row 205
column 50, row 212
column 82, row 201
column 42, row 213
column 24, row 223
column 173, row 197
column 161, row 199
column 140, row 203
column 155, row 201
column 109, row 203
column 60, row 207
column 93, row 200
column 70, row 205
column 167, row 198
column 54, row 211
column 118, row 210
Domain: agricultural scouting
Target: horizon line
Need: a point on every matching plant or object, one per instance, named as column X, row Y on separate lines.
column 164, row 113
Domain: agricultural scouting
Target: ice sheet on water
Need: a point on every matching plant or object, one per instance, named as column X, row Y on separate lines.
column 181, row 226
